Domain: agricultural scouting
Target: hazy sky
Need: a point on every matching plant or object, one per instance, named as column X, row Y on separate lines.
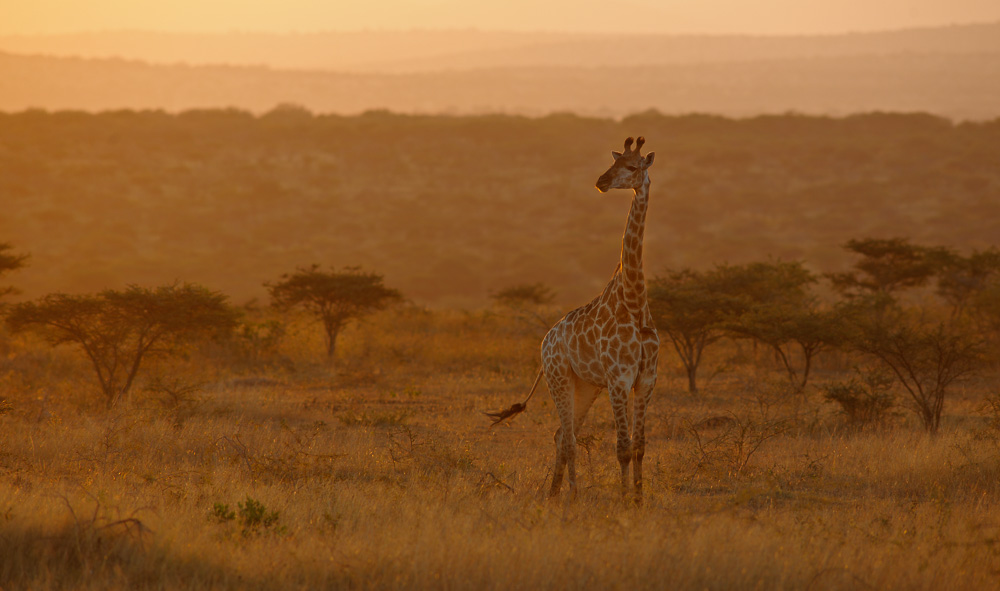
column 659, row 16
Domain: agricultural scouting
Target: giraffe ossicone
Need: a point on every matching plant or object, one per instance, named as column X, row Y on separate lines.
column 610, row 343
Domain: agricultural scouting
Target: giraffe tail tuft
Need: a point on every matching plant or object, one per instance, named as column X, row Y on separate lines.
column 502, row 415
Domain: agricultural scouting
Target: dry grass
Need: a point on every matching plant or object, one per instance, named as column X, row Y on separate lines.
column 383, row 474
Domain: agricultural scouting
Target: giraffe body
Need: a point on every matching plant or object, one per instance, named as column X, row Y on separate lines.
column 608, row 343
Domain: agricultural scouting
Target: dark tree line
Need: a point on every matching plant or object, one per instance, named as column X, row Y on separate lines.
column 212, row 184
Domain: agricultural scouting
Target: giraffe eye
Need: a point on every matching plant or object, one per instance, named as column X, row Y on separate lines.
column 630, row 168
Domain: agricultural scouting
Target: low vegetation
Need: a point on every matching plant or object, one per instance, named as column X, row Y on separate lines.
column 379, row 471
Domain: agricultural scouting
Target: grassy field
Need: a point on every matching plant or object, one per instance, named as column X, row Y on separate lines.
column 380, row 472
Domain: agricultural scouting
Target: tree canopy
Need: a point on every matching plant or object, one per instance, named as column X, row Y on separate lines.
column 767, row 301
column 9, row 262
column 962, row 278
column 689, row 308
column 887, row 266
column 334, row 297
column 524, row 294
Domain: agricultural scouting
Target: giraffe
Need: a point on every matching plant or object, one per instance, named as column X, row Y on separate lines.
column 608, row 343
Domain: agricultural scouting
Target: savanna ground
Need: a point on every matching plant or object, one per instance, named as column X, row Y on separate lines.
column 379, row 471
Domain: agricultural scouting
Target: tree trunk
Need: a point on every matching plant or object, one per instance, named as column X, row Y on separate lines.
column 793, row 377
column 109, row 397
column 934, row 410
column 692, row 371
column 331, row 341
column 808, row 355
column 932, row 420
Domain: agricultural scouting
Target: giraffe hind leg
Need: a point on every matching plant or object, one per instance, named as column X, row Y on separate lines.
column 643, row 392
column 565, row 438
column 565, row 462
column 557, row 472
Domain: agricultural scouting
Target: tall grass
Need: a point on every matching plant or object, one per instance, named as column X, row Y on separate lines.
column 380, row 473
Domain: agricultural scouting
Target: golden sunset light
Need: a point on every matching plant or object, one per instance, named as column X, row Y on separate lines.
column 499, row 295
column 765, row 17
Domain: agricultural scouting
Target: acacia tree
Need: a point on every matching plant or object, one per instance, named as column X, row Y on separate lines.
column 886, row 267
column 688, row 306
column 985, row 307
column 117, row 330
column 926, row 357
column 773, row 306
column 961, row 279
column 9, row 262
column 334, row 297
column 810, row 327
column 529, row 303
column 524, row 294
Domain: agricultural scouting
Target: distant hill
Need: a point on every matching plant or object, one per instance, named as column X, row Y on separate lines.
column 959, row 86
column 430, row 51
column 951, row 71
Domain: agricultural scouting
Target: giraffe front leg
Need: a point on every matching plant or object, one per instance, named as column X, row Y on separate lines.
column 643, row 395
column 639, row 444
column 619, row 406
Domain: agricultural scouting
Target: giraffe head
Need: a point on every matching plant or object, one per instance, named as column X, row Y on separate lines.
column 628, row 170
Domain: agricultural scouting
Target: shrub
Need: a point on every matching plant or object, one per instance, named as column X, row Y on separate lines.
column 253, row 517
column 865, row 399
column 926, row 357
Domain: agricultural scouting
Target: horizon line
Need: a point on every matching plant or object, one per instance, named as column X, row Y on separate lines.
column 475, row 29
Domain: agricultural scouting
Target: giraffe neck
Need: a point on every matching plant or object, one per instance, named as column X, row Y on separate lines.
column 633, row 280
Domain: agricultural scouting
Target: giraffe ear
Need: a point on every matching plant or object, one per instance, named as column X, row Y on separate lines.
column 649, row 159
column 616, row 155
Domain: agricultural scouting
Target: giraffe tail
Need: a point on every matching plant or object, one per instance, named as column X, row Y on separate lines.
column 502, row 415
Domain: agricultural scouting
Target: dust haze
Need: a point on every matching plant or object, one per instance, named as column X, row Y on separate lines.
column 264, row 268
